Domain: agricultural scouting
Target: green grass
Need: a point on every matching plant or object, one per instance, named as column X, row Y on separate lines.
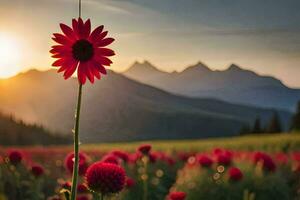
column 265, row 142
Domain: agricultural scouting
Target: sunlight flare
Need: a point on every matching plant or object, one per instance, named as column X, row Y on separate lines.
column 10, row 54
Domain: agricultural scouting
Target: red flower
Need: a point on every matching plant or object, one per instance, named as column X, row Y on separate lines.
column 205, row 161
column 81, row 49
column 235, row 174
column 121, row 154
column 15, row 157
column 67, row 185
column 144, row 149
column 81, row 188
column 110, row 159
column 266, row 160
column 170, row 161
column 83, row 163
column 105, row 178
column 129, row 182
column 84, row 197
column 224, row 159
column 177, row 196
column 37, row 170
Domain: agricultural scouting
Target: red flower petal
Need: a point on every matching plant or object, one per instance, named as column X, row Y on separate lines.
column 99, row 67
column 95, row 71
column 69, row 72
column 80, row 28
column 89, row 73
column 80, row 73
column 103, row 60
column 61, row 39
column 58, row 62
column 62, row 68
column 105, row 52
column 68, row 31
column 96, row 33
column 105, row 42
column 87, row 29
column 75, row 28
column 62, row 54
column 60, row 49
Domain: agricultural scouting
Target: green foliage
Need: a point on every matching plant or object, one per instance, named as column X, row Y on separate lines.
column 209, row 184
column 262, row 142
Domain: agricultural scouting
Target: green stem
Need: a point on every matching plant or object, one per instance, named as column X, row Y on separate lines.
column 76, row 146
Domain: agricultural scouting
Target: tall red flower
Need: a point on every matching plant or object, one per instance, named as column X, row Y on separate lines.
column 79, row 48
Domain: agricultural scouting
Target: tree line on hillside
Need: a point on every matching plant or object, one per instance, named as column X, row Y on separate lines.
column 274, row 125
column 16, row 132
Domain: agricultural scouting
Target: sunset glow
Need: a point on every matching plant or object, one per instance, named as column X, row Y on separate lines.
column 10, row 53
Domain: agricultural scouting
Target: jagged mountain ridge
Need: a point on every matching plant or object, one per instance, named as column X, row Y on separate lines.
column 234, row 84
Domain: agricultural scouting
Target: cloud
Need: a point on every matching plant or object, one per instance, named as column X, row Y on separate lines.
column 108, row 6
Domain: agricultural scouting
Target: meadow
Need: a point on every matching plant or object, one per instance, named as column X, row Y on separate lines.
column 254, row 167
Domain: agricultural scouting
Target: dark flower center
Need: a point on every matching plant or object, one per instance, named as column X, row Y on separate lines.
column 82, row 50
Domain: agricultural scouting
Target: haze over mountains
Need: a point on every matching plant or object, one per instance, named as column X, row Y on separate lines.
column 234, row 84
column 120, row 109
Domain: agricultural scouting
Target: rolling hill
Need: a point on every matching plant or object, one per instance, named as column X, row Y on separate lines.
column 16, row 132
column 235, row 85
column 120, row 109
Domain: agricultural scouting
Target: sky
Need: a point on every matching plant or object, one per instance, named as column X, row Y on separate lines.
column 172, row 34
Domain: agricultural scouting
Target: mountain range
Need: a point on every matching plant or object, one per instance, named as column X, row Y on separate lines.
column 235, row 84
column 117, row 108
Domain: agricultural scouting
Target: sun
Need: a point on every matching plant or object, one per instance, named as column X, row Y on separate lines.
column 10, row 53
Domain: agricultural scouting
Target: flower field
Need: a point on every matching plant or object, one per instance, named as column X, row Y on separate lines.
column 243, row 168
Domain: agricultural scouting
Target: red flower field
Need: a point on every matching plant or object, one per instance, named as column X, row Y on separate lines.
column 217, row 174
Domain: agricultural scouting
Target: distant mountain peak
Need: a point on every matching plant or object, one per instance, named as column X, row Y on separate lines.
column 144, row 66
column 234, row 67
column 198, row 67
